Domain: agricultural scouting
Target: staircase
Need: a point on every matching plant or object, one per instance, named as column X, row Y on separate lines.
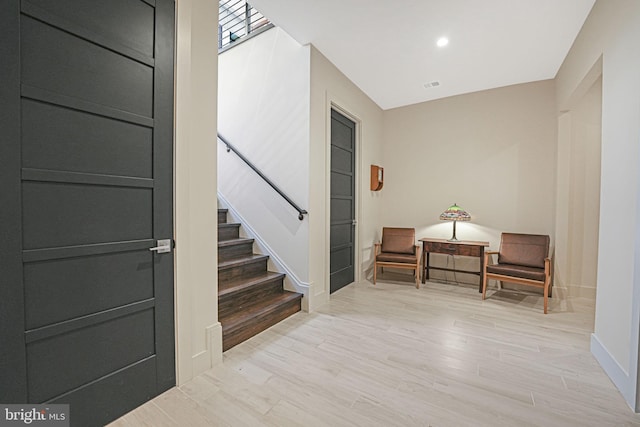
column 250, row 298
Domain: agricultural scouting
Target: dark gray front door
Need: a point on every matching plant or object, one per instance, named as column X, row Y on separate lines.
column 342, row 248
column 86, row 148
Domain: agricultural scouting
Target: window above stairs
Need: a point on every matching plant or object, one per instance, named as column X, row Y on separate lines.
column 238, row 21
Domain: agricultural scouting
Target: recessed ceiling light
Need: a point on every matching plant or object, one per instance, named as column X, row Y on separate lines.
column 442, row 42
column 434, row 83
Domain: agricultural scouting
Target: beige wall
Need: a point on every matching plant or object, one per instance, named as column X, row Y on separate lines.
column 491, row 152
column 329, row 87
column 611, row 32
column 578, row 195
column 263, row 110
column 198, row 333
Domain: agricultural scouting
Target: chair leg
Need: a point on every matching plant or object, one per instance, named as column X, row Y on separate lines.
column 484, row 285
column 546, row 296
column 417, row 278
column 375, row 272
column 547, row 293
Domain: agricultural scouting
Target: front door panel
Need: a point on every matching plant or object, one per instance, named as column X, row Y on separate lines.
column 86, row 120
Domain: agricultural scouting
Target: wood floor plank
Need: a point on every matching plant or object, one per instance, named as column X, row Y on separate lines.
column 393, row 355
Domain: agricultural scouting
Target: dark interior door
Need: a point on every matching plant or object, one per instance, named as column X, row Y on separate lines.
column 342, row 234
column 86, row 131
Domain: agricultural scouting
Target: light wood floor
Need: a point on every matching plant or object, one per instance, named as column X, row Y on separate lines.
column 393, row 355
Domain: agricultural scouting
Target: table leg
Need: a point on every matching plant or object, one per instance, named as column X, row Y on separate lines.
column 423, row 265
column 481, row 269
column 425, row 276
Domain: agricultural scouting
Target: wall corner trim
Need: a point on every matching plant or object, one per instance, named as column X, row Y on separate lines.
column 612, row 368
column 212, row 355
column 214, row 343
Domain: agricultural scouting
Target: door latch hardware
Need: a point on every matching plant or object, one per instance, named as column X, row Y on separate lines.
column 163, row 247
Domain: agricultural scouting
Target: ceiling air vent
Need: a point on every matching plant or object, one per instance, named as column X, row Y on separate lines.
column 432, row 84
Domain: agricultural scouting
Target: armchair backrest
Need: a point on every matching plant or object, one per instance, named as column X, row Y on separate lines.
column 398, row 240
column 524, row 249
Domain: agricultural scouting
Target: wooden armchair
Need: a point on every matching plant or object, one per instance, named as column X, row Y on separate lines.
column 522, row 259
column 397, row 250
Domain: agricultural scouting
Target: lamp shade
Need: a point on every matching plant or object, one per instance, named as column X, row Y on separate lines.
column 455, row 213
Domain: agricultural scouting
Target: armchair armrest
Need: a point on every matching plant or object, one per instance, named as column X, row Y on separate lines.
column 376, row 248
column 417, row 252
column 487, row 257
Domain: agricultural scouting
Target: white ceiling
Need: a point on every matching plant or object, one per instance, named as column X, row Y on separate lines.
column 388, row 48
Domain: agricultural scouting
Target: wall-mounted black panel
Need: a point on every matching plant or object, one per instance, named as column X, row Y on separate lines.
column 98, row 283
column 93, row 144
column 59, row 62
column 57, row 215
column 129, row 22
column 65, row 362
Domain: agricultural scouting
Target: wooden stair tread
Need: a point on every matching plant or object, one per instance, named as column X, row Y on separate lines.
column 253, row 313
column 232, row 242
column 250, row 298
column 242, row 283
column 241, row 261
column 229, row 225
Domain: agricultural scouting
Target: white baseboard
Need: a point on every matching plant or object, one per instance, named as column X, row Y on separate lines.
column 616, row 373
column 214, row 338
column 575, row 291
column 291, row 281
column 212, row 355
column 320, row 296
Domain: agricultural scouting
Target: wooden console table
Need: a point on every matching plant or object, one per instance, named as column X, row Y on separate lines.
column 460, row 248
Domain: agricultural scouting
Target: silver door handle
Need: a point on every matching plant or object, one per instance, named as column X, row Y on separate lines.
column 163, row 247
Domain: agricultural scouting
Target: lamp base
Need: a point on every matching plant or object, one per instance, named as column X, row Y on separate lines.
column 453, row 238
